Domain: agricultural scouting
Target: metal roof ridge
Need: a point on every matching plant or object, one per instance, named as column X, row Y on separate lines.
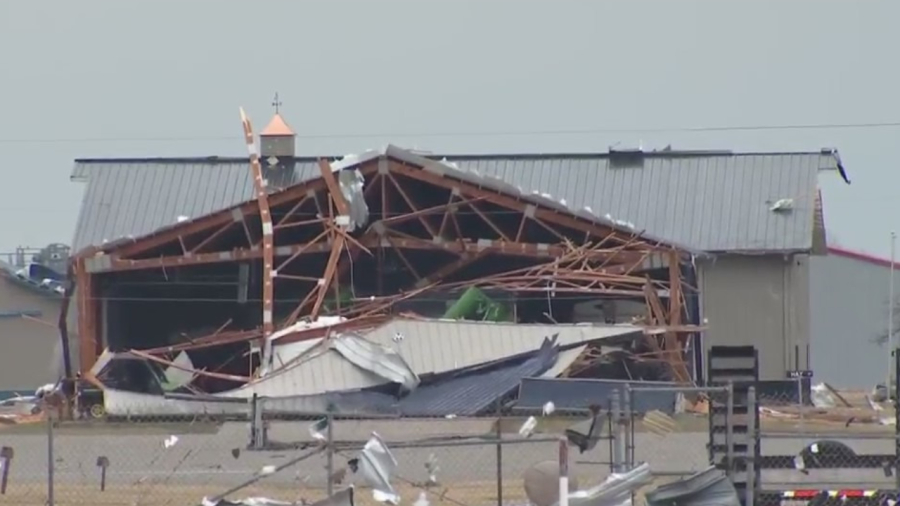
column 459, row 156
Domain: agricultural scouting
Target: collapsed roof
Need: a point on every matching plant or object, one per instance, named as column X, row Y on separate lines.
column 385, row 232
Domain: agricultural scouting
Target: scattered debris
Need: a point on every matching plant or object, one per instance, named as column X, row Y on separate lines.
column 821, row 396
column 317, row 429
column 377, row 465
column 527, row 428
column 170, row 442
column 782, row 206
column 431, row 466
column 616, row 490
column 340, row 498
column 585, row 435
column 710, row 486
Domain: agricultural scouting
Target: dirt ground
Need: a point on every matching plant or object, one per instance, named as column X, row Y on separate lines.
column 458, row 494
column 469, row 471
column 547, row 425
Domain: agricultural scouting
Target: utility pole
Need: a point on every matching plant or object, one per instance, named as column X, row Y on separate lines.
column 890, row 339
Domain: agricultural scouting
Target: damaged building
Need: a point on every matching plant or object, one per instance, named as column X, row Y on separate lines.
column 506, row 238
column 322, row 257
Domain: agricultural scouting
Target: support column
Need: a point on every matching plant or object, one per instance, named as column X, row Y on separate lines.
column 87, row 317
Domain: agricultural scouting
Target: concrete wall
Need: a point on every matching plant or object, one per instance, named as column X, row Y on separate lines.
column 30, row 351
column 758, row 300
column 849, row 311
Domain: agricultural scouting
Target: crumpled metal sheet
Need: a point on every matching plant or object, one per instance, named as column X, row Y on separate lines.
column 710, row 487
column 377, row 359
column 351, row 182
column 340, row 498
column 377, row 465
column 615, row 491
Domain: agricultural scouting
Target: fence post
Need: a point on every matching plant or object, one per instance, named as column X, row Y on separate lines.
column 729, row 429
column 499, row 434
column 254, row 423
column 624, row 421
column 896, row 399
column 50, row 459
column 563, row 472
column 330, row 455
column 616, row 415
column 752, row 443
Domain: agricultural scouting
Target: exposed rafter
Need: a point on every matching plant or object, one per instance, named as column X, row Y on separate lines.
column 478, row 236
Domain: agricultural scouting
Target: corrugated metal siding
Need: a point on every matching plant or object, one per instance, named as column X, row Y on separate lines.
column 761, row 301
column 29, row 349
column 427, row 347
column 138, row 198
column 440, row 346
column 849, row 303
column 474, row 393
column 707, row 202
column 327, row 372
column 711, row 203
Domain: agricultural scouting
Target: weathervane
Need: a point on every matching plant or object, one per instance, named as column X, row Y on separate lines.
column 276, row 103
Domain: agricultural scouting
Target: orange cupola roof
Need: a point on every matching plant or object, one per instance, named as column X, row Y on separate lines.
column 277, row 127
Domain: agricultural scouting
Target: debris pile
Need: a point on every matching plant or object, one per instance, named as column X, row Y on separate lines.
column 304, row 275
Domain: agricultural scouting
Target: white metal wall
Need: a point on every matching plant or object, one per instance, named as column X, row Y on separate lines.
column 758, row 300
column 849, row 312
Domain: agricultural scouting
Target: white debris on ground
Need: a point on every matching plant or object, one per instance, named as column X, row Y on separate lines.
column 181, row 218
column 549, row 408
column 431, row 465
column 317, row 429
column 821, row 396
column 170, row 442
column 527, row 428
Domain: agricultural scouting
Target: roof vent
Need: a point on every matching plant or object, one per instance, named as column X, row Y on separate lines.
column 620, row 158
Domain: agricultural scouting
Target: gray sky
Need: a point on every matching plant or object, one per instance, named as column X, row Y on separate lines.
column 165, row 77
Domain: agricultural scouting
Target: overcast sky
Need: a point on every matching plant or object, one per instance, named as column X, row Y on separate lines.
column 165, row 77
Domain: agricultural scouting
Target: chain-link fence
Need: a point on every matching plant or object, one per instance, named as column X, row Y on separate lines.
column 818, row 443
column 461, row 461
column 668, row 427
column 811, row 442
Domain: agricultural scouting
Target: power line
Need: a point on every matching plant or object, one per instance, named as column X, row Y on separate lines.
column 498, row 133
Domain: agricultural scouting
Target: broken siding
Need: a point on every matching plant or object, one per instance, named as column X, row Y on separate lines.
column 711, row 202
column 440, row 346
column 761, row 301
column 428, row 347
